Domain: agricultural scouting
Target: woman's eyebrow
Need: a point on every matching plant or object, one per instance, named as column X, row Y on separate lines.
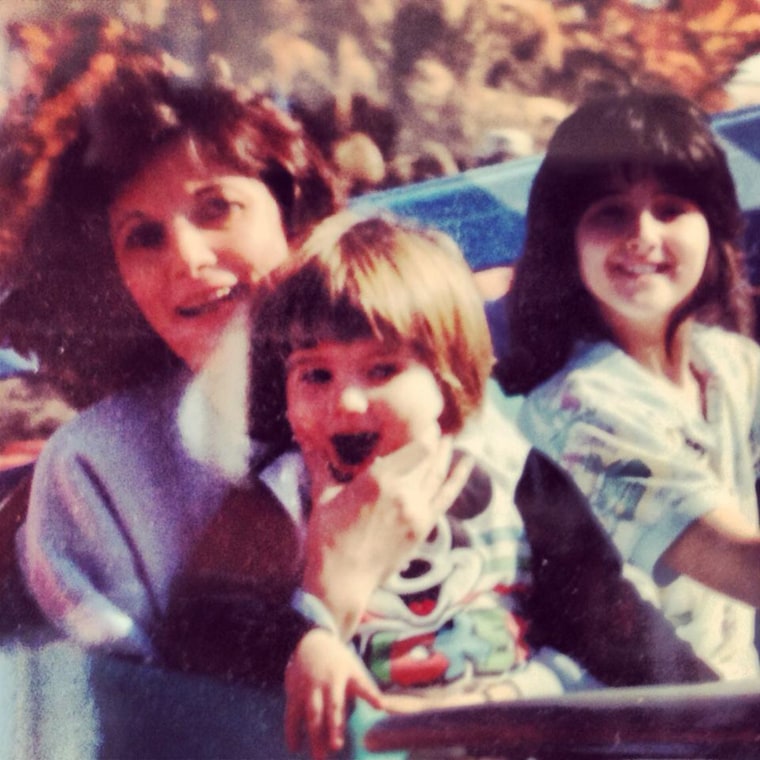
column 209, row 185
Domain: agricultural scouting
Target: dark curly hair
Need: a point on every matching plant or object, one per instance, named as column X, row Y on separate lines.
column 633, row 135
column 98, row 103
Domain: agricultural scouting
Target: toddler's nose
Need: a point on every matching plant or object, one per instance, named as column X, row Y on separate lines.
column 353, row 399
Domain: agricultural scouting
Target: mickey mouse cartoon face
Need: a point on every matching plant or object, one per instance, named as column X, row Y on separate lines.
column 444, row 570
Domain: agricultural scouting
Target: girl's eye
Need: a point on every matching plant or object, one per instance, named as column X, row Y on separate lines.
column 669, row 208
column 213, row 209
column 145, row 235
column 316, row 376
column 383, row 371
column 610, row 214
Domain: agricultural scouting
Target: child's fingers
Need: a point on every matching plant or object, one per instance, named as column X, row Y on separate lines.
column 437, row 467
column 361, row 685
column 315, row 725
column 453, row 483
column 421, row 476
column 406, row 459
column 336, row 719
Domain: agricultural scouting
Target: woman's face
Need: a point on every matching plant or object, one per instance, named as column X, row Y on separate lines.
column 191, row 239
column 641, row 253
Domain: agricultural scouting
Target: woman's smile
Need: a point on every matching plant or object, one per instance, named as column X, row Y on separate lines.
column 212, row 300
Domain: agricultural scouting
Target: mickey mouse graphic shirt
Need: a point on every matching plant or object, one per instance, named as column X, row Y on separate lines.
column 454, row 618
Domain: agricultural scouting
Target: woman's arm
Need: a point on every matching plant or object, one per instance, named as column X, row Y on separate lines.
column 583, row 604
column 229, row 611
column 77, row 560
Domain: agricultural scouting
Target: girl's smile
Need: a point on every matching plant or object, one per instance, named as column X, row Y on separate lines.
column 641, row 253
column 349, row 403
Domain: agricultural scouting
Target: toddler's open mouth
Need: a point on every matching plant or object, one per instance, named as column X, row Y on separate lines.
column 354, row 448
column 340, row 476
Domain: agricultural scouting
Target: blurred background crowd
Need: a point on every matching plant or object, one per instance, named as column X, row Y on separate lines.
column 398, row 91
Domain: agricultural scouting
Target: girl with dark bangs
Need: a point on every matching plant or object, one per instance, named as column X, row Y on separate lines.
column 608, row 142
column 629, row 316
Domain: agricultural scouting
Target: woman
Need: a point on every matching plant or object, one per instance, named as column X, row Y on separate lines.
column 141, row 209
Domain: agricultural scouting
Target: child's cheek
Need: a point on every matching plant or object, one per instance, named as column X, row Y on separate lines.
column 300, row 418
column 428, row 414
column 426, row 403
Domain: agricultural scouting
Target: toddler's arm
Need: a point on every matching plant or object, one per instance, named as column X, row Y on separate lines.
column 323, row 675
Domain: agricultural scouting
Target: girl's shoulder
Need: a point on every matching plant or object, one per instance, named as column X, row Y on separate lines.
column 602, row 383
column 602, row 388
column 722, row 348
column 731, row 364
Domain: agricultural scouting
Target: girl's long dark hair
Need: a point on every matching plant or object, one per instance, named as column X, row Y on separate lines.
column 631, row 136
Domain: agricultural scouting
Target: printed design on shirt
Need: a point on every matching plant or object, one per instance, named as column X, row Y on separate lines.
column 570, row 402
column 625, row 484
column 754, row 442
column 475, row 643
column 694, row 445
column 618, row 485
column 438, row 619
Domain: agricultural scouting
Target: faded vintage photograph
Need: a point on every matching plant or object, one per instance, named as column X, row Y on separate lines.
column 380, row 379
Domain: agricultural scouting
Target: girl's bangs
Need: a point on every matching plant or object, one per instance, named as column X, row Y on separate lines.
column 602, row 180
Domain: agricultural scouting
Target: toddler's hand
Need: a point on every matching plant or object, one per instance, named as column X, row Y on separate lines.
column 362, row 531
column 323, row 675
